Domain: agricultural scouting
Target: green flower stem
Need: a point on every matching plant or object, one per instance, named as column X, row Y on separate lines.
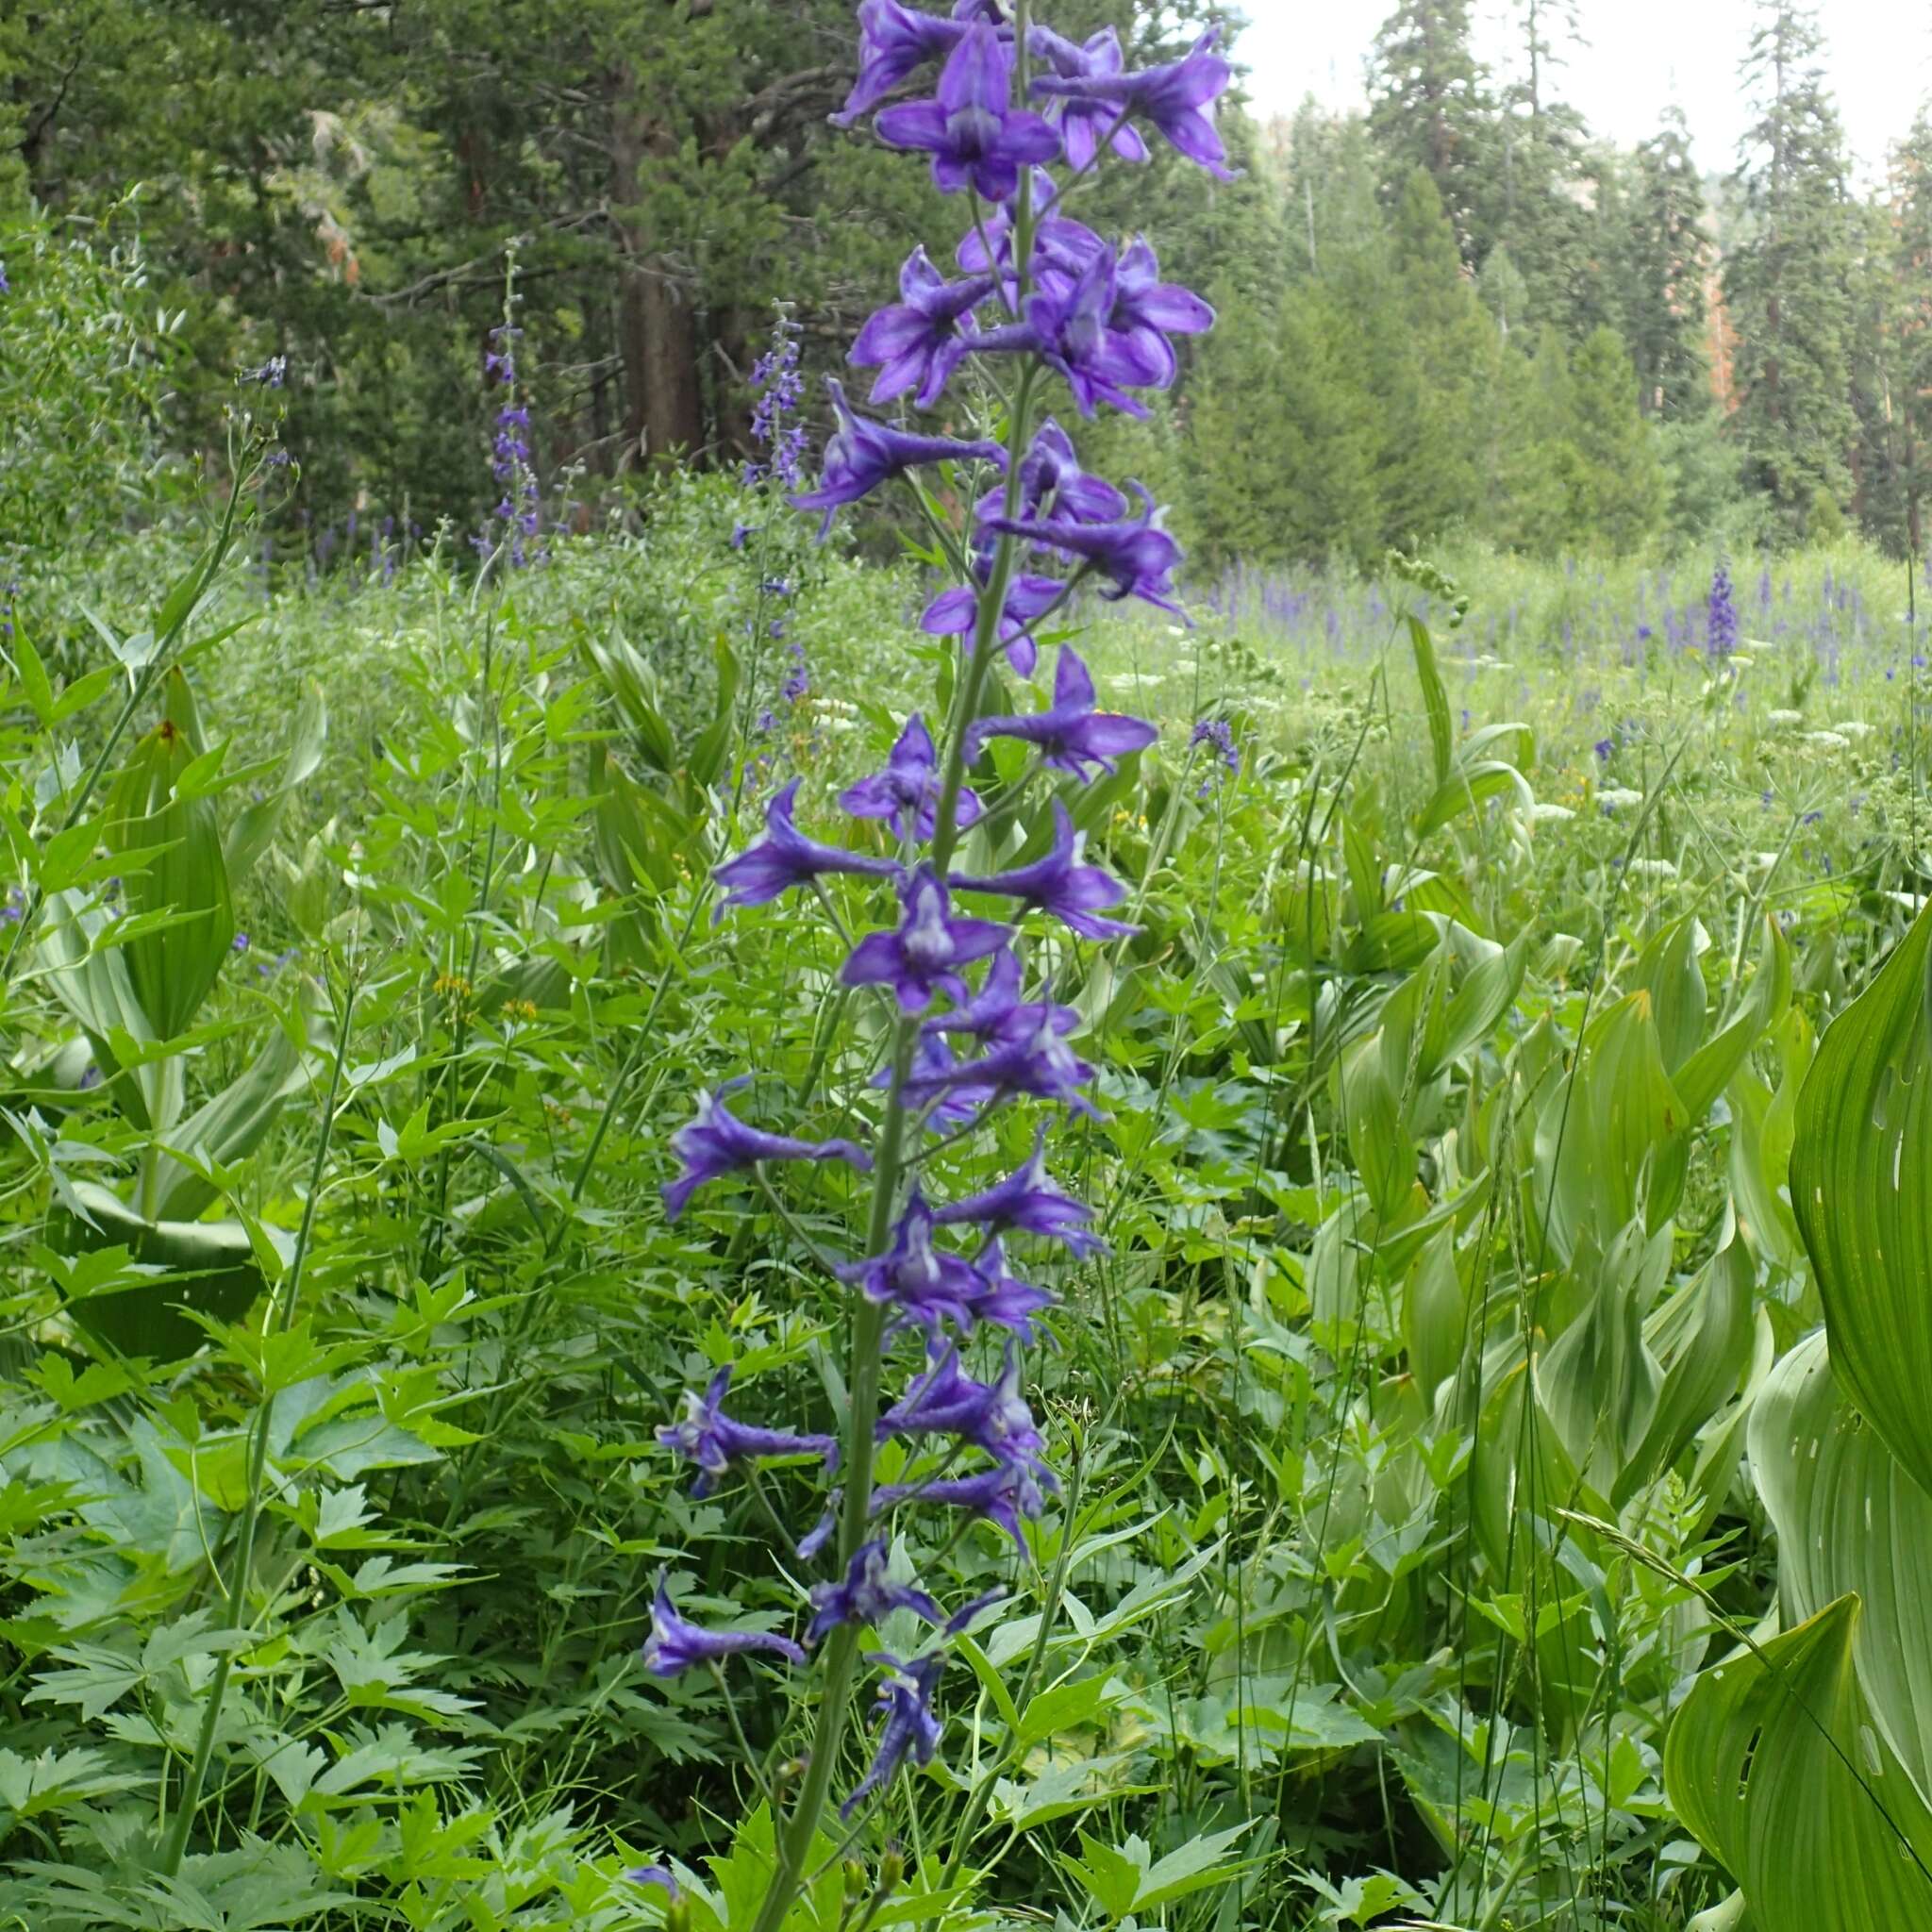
column 797, row 1833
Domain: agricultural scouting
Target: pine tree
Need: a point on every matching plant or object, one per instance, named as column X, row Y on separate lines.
column 1912, row 258
column 1664, row 260
column 1786, row 285
column 1432, row 110
column 1434, row 375
column 1621, row 491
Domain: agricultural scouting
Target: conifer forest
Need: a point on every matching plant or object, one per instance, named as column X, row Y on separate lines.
column 950, row 985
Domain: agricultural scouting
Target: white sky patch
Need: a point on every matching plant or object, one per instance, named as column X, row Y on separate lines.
column 1640, row 56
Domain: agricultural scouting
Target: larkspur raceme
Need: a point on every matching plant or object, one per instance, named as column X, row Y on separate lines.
column 1042, row 302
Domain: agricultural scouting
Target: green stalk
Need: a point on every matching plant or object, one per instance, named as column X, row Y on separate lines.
column 190, row 1802
column 865, row 1361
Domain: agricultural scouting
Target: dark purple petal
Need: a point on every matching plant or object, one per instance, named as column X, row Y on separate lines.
column 785, row 858
column 866, row 1595
column 928, row 949
column 714, row 1143
column 675, row 1644
column 1027, row 1200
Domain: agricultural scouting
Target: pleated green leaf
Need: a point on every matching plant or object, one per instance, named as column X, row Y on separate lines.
column 1773, row 1765
column 1850, row 1519
column 1862, row 1187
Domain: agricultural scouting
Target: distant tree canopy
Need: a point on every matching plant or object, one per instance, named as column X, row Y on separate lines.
column 1458, row 311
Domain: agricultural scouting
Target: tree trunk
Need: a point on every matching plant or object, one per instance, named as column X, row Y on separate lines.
column 656, row 319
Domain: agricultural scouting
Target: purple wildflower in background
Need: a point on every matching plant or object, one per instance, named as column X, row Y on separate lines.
column 675, row 1644
column 715, row 1143
column 1721, row 621
column 270, row 374
column 1070, row 734
column 1604, row 747
column 706, row 1436
column 864, row 453
column 797, row 684
column 659, row 1875
column 785, row 858
column 1059, row 884
column 778, row 391
column 975, row 136
column 6, row 287
column 1218, row 735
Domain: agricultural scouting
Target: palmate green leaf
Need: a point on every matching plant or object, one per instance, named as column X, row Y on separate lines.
column 1774, row 1767
column 1850, row 1519
column 1861, row 1189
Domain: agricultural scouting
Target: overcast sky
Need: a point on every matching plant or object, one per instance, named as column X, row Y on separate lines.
column 1641, row 56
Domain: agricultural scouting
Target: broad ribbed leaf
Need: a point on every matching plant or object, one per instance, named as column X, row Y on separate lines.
column 171, row 970
column 1774, row 1767
column 1851, row 1521
column 1861, row 1187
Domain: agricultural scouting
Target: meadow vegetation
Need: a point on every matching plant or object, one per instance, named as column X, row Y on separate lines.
column 1481, row 1470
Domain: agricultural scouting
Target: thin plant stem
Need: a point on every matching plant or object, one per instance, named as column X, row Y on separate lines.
column 281, row 1315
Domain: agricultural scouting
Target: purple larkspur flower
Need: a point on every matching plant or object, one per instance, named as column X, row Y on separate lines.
column 975, row 136
column 1175, row 98
column 714, row 1440
column 1039, row 1063
column 1058, row 883
column 918, row 341
column 1135, row 552
column 926, row 951
column 1059, row 243
column 864, row 453
column 1604, row 747
column 1085, row 121
column 1003, row 1494
column 1219, row 734
column 1028, row 1201
column 909, row 1727
column 925, row 1284
column 1052, row 483
column 1070, row 734
column 741, row 534
column 866, row 1595
column 272, row 373
column 714, row 1143
column 907, row 793
column 676, row 1644
column 1146, row 311
column 894, row 42
column 1069, row 325
column 996, row 1011
column 1721, row 631
column 785, row 858
column 659, row 1875
column 945, row 1400
column 954, row 612
column 931, row 1055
